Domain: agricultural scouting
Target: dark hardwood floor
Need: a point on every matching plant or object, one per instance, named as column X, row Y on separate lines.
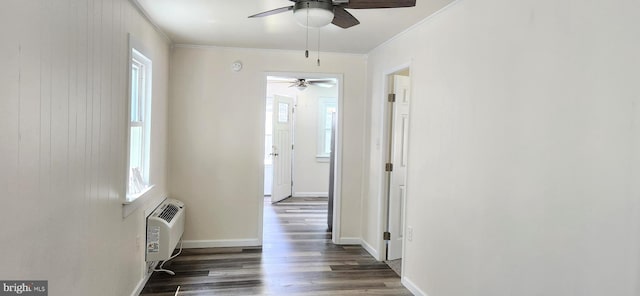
column 297, row 258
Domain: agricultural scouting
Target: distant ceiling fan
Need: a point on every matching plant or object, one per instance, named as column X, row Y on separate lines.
column 303, row 83
column 319, row 13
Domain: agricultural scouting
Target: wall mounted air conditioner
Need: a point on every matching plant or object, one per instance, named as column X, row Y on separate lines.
column 165, row 226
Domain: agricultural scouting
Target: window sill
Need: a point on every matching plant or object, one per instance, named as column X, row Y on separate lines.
column 322, row 158
column 133, row 202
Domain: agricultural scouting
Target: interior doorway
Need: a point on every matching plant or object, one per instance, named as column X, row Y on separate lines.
column 299, row 126
column 282, row 152
column 397, row 124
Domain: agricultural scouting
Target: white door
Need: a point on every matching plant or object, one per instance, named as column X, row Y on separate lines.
column 397, row 186
column 282, row 146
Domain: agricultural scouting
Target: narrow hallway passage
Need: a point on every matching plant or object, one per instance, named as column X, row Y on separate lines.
column 297, row 258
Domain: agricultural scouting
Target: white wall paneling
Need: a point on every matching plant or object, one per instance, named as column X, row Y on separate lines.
column 62, row 144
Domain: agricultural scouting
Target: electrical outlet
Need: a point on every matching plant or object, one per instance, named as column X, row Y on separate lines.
column 409, row 233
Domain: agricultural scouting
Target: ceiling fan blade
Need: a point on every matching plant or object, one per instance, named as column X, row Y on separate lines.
column 281, row 79
column 272, row 12
column 343, row 18
column 365, row 4
column 312, row 81
column 323, row 84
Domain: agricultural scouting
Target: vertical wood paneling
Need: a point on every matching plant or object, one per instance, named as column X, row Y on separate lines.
column 29, row 110
column 9, row 102
column 59, row 102
column 62, row 134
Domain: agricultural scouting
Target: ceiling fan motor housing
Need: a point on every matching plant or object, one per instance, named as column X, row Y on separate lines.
column 313, row 14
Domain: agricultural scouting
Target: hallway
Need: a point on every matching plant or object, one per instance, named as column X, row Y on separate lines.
column 297, row 258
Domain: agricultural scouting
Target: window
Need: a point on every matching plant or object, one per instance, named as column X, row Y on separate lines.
column 139, row 125
column 327, row 107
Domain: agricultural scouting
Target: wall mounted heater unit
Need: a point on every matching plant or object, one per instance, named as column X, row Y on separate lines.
column 165, row 226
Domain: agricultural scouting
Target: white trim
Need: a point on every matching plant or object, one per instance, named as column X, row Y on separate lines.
column 338, row 168
column 130, row 206
column 323, row 104
column 221, row 243
column 322, row 158
column 260, row 198
column 129, row 199
column 413, row 288
column 384, row 154
column 141, row 284
column 350, row 241
column 144, row 13
column 136, row 49
column 337, row 188
column 311, row 194
column 426, row 19
column 370, row 249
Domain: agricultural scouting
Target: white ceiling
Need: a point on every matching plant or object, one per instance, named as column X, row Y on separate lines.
column 226, row 23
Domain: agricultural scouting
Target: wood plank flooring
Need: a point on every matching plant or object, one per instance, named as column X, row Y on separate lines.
column 297, row 258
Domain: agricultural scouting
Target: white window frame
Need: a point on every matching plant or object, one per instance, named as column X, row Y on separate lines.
column 323, row 152
column 139, row 59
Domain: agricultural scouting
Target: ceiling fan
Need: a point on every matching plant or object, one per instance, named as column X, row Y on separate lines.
column 319, row 13
column 303, row 83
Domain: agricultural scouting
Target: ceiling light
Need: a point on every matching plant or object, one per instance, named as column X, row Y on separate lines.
column 314, row 14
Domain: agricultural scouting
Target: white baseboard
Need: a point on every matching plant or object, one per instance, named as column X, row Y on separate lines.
column 372, row 251
column 311, row 194
column 141, row 284
column 220, row 243
column 349, row 241
column 412, row 287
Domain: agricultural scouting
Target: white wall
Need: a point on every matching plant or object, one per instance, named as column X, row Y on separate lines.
column 310, row 176
column 63, row 94
column 523, row 175
column 216, row 152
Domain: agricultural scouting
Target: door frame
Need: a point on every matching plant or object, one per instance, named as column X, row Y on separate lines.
column 383, row 201
column 338, row 155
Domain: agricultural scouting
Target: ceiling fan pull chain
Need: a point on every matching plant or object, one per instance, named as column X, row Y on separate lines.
column 318, row 47
column 306, row 52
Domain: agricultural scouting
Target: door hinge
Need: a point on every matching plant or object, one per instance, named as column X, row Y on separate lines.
column 291, row 146
column 392, row 98
column 388, row 167
column 386, row 235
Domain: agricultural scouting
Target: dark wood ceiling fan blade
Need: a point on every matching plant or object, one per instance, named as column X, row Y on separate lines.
column 343, row 18
column 272, row 12
column 328, row 84
column 325, row 81
column 366, row 4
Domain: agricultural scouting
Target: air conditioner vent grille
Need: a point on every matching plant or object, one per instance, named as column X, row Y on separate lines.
column 168, row 213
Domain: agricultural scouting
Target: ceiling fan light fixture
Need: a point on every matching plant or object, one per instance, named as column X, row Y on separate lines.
column 317, row 13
